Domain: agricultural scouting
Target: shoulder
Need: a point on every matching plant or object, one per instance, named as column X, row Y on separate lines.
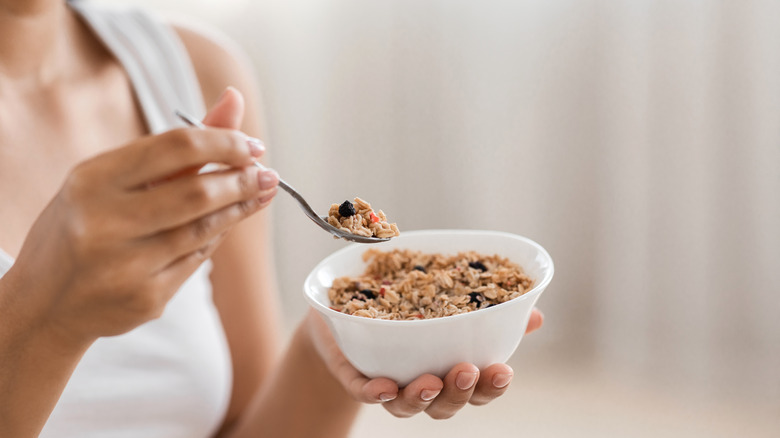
column 218, row 61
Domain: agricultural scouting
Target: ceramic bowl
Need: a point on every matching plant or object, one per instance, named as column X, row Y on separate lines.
column 404, row 350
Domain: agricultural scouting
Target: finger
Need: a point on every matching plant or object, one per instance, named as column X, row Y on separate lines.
column 157, row 158
column 357, row 385
column 360, row 387
column 170, row 246
column 228, row 111
column 185, row 199
column 179, row 174
column 176, row 272
column 416, row 396
column 535, row 321
column 458, row 386
column 180, row 270
column 493, row 382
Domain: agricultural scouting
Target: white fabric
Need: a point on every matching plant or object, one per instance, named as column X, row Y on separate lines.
column 154, row 58
column 170, row 377
column 5, row 262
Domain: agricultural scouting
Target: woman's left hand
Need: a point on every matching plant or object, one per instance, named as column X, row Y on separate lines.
column 440, row 399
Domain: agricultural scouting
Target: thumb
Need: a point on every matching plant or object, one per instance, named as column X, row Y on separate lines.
column 228, row 111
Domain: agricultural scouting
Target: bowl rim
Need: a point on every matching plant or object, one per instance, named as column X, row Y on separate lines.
column 531, row 294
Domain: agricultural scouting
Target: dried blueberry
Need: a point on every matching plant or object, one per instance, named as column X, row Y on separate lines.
column 478, row 265
column 419, row 268
column 476, row 297
column 346, row 209
column 368, row 293
column 359, row 297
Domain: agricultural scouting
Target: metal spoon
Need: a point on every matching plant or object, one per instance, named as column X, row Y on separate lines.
column 320, row 221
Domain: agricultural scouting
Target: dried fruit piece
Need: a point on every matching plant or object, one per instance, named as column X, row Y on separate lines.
column 478, row 265
column 346, row 209
column 476, row 297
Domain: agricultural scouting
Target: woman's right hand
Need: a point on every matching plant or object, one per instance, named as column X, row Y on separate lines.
column 128, row 227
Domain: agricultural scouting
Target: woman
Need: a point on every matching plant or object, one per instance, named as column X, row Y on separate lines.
column 140, row 302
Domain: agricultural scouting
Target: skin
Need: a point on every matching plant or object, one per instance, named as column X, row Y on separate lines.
column 116, row 239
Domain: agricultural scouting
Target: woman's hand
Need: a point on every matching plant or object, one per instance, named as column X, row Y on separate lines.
column 438, row 398
column 128, row 227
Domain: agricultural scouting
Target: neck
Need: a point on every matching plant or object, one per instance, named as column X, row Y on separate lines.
column 35, row 37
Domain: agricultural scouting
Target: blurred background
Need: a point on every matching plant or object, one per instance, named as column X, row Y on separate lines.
column 638, row 141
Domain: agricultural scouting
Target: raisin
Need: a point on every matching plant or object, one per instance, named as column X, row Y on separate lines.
column 478, row 265
column 346, row 209
column 368, row 293
column 476, row 297
column 419, row 268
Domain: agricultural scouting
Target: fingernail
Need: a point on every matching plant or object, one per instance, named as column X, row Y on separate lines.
column 465, row 381
column 256, row 146
column 385, row 397
column 501, row 380
column 429, row 394
column 267, row 179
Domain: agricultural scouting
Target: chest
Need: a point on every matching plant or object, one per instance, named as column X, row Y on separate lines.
column 44, row 135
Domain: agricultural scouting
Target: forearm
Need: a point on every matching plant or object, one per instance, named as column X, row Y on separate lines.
column 35, row 365
column 301, row 398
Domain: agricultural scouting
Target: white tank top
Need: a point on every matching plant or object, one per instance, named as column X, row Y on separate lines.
column 170, row 377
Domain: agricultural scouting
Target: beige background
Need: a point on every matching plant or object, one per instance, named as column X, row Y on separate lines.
column 638, row 141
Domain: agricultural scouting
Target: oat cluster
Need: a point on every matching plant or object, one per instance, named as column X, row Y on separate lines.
column 406, row 285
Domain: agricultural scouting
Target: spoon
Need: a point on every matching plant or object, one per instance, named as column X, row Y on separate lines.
column 320, row 221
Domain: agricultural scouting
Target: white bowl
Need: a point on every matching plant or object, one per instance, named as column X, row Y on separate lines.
column 404, row 350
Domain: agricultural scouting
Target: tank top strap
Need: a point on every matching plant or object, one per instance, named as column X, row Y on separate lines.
column 154, row 57
column 5, row 262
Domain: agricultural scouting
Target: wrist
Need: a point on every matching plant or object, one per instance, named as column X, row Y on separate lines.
column 310, row 339
column 306, row 347
column 335, row 400
column 36, row 361
column 26, row 320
